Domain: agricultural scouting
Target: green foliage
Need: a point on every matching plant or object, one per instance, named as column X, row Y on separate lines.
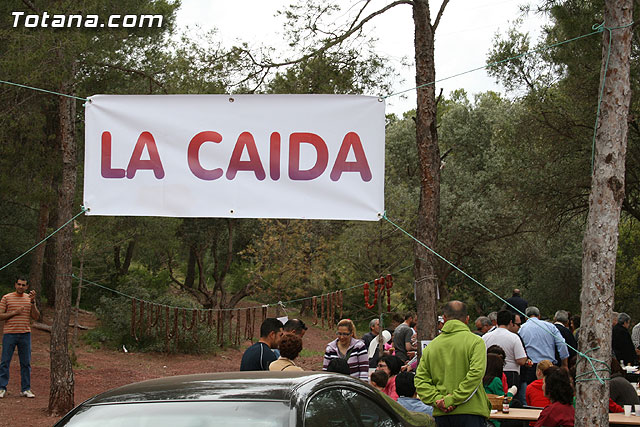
column 514, row 182
column 628, row 269
column 311, row 353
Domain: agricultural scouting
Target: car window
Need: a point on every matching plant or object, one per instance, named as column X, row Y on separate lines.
column 367, row 411
column 184, row 414
column 328, row 409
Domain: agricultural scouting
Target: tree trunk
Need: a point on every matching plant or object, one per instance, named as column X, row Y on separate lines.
column 37, row 259
column 80, row 285
column 428, row 153
column 191, row 267
column 49, row 265
column 61, row 394
column 600, row 241
column 124, row 270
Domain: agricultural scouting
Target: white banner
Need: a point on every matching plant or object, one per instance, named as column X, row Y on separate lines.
column 239, row 156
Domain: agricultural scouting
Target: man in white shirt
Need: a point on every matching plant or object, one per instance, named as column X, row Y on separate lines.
column 510, row 343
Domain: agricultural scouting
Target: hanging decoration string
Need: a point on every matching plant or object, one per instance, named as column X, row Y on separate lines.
column 263, row 306
column 46, row 238
column 45, row 91
column 597, row 29
column 584, row 355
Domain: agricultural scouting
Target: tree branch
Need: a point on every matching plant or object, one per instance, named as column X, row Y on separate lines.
column 440, row 12
column 132, row 71
column 32, row 6
column 337, row 40
column 630, row 209
column 173, row 279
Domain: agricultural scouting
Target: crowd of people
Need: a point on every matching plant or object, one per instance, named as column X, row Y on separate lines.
column 528, row 359
column 389, row 370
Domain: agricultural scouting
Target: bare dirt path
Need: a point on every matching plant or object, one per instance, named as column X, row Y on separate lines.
column 101, row 370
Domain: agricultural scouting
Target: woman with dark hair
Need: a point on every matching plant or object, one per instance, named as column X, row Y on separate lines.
column 620, row 389
column 496, row 349
column 492, row 380
column 391, row 366
column 557, row 387
column 290, row 348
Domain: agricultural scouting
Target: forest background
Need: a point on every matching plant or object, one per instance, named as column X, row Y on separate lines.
column 515, row 174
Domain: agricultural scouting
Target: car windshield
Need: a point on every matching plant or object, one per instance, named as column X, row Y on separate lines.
column 184, row 414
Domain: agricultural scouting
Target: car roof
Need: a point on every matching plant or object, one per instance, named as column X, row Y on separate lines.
column 248, row 385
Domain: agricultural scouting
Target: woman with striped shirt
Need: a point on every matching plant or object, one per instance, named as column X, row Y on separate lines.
column 347, row 347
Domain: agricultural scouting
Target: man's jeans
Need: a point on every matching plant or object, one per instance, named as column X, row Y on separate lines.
column 9, row 343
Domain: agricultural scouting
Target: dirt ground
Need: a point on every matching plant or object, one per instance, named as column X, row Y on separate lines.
column 104, row 369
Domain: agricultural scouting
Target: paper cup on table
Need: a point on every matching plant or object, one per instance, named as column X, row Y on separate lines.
column 627, row 410
column 637, row 407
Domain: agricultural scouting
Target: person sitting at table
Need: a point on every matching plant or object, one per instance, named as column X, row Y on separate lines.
column 557, row 387
column 620, row 390
column 496, row 349
column 535, row 395
column 391, row 366
column 492, row 380
column 613, row 406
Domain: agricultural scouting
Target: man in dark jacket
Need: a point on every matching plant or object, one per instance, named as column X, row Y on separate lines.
column 561, row 320
column 621, row 341
column 518, row 302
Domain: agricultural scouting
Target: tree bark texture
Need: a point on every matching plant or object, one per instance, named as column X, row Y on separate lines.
column 600, row 241
column 49, row 264
column 429, row 157
column 61, row 397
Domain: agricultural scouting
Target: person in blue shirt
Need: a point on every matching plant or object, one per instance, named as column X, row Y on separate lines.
column 407, row 395
column 541, row 340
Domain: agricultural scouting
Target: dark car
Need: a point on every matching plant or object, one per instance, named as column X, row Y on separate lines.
column 237, row 399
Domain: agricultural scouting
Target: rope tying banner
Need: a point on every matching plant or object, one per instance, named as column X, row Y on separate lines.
column 553, row 334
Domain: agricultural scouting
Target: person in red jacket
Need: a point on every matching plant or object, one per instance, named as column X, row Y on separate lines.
column 534, row 394
column 557, row 387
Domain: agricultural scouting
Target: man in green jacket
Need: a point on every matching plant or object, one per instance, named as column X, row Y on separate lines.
column 449, row 375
